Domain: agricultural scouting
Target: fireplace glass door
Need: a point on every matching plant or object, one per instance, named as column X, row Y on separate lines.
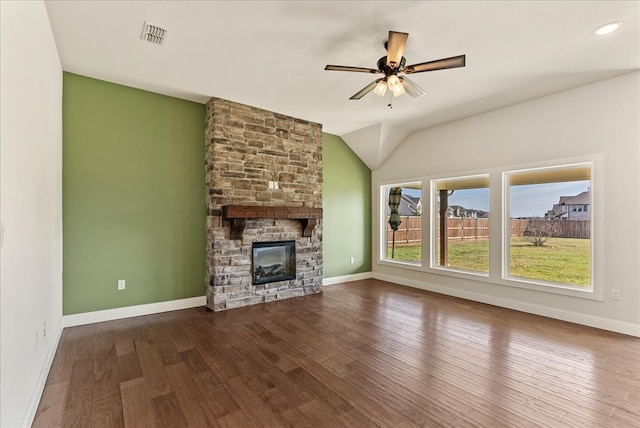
column 273, row 261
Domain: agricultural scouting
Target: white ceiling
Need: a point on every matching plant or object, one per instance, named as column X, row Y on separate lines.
column 271, row 55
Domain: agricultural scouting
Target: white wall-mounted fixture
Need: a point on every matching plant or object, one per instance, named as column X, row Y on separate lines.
column 153, row 33
column 609, row 28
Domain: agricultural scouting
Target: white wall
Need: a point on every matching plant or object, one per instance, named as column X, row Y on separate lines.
column 30, row 207
column 600, row 119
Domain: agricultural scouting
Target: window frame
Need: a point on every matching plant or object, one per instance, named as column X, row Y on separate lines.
column 532, row 283
column 498, row 209
column 434, row 217
column 383, row 205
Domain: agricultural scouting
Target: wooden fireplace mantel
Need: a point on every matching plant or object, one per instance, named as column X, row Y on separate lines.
column 238, row 215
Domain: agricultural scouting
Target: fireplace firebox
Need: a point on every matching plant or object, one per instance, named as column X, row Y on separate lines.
column 273, row 261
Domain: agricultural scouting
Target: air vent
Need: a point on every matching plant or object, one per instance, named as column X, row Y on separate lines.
column 153, row 33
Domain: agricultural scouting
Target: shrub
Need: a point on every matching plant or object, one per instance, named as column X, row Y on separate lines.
column 539, row 230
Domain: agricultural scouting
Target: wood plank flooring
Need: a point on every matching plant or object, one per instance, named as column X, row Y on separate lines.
column 361, row 354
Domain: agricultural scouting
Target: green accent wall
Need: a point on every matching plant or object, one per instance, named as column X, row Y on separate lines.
column 133, row 196
column 346, row 201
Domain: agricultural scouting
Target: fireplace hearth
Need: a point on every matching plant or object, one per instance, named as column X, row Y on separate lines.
column 273, row 261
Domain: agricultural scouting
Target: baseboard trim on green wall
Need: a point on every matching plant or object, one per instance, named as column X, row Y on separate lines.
column 133, row 311
column 346, row 278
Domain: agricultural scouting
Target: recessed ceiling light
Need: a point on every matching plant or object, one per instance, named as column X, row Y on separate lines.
column 607, row 28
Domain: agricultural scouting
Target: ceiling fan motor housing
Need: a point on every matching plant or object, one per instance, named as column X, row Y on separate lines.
column 388, row 70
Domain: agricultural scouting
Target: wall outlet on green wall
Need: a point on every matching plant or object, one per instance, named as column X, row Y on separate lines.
column 121, row 284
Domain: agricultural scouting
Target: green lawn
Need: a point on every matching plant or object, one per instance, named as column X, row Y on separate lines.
column 562, row 260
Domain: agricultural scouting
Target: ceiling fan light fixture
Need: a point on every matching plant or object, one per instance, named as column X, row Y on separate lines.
column 395, row 86
column 381, row 88
column 392, row 81
column 398, row 90
column 609, row 28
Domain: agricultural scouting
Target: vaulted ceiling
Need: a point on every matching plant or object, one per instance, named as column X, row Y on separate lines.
column 272, row 54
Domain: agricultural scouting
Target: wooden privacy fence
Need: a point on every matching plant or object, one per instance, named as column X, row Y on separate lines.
column 561, row 228
column 459, row 229
column 409, row 231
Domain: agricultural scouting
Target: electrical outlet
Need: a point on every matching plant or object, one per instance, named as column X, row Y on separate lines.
column 353, row 260
column 44, row 329
column 271, row 185
column 615, row 294
column 276, row 185
column 121, row 284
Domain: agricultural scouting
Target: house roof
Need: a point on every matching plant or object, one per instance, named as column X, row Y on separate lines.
column 583, row 198
column 408, row 205
column 272, row 55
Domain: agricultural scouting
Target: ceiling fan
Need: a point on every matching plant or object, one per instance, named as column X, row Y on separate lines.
column 393, row 66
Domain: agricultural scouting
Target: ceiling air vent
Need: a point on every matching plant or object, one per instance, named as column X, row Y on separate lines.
column 153, row 33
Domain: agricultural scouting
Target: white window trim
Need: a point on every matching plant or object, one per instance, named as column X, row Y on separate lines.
column 382, row 206
column 497, row 206
column 592, row 292
column 433, row 227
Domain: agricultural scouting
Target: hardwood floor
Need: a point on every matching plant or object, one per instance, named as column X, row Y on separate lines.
column 361, row 354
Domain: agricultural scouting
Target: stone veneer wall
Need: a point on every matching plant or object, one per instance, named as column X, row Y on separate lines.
column 245, row 148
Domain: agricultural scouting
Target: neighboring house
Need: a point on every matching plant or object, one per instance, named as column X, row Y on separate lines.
column 571, row 207
column 410, row 206
column 459, row 211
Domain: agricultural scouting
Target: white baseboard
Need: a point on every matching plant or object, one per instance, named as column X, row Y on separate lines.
column 133, row 311
column 346, row 278
column 32, row 408
column 545, row 311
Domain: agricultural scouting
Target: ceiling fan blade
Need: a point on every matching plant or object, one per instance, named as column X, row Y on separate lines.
column 364, row 91
column 411, row 88
column 347, row 68
column 395, row 48
column 439, row 64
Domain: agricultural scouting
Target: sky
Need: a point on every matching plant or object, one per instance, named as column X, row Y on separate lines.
column 526, row 201
column 536, row 199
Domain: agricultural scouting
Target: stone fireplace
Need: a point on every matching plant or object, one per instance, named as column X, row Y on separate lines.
column 264, row 185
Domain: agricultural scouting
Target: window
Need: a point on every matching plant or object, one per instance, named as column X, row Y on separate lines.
column 533, row 227
column 460, row 223
column 402, row 228
column 548, row 230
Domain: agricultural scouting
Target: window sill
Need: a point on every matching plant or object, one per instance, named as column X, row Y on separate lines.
column 401, row 264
